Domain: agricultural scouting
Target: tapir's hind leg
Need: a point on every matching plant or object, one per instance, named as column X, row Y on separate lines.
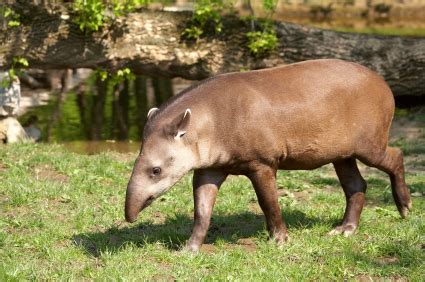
column 354, row 188
column 391, row 162
column 264, row 180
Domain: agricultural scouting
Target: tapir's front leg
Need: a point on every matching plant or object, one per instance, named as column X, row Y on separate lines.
column 205, row 187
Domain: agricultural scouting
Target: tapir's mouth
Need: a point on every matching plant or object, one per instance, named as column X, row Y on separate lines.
column 131, row 216
column 147, row 203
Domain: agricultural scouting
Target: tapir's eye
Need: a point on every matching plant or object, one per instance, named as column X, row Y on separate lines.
column 156, row 171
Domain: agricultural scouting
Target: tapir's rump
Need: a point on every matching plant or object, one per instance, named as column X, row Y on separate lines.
column 299, row 116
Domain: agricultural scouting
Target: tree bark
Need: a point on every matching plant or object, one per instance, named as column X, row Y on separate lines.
column 163, row 89
column 140, row 92
column 149, row 43
column 65, row 80
column 122, row 111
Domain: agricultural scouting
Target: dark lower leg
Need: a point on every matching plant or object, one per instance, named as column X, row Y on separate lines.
column 392, row 163
column 354, row 188
column 264, row 182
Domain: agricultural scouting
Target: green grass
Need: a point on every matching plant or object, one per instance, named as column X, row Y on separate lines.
column 62, row 218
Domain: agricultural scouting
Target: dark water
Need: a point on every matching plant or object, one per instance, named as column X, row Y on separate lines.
column 97, row 147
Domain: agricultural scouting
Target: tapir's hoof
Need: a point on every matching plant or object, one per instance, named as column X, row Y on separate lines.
column 404, row 210
column 280, row 239
column 346, row 230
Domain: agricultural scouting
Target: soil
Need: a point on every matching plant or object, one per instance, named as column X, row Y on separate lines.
column 247, row 244
column 46, row 173
column 367, row 278
column 2, row 167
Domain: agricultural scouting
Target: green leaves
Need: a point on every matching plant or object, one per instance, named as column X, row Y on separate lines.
column 12, row 18
column 262, row 39
column 261, row 43
column 116, row 77
column 269, row 6
column 93, row 14
column 18, row 63
column 206, row 19
column 90, row 14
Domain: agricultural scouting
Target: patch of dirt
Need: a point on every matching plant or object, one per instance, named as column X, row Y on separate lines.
column 123, row 157
column 410, row 130
column 3, row 167
column 4, row 198
column 406, row 128
column 254, row 207
column 158, row 217
column 387, row 260
column 208, row 248
column 368, row 278
column 247, row 244
column 45, row 173
column 303, row 195
column 163, row 277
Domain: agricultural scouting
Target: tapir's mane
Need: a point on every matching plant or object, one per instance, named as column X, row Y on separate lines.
column 167, row 107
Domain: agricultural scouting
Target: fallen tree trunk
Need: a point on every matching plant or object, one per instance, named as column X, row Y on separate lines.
column 149, row 43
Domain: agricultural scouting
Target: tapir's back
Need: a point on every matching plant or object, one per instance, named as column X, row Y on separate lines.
column 315, row 110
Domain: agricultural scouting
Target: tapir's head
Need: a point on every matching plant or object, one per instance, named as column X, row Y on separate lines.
column 165, row 157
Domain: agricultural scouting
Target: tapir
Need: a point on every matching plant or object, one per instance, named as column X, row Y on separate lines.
column 295, row 117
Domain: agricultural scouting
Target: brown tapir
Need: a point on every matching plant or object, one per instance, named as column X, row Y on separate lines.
column 299, row 116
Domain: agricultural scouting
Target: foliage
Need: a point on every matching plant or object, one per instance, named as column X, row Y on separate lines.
column 75, row 121
column 93, row 14
column 116, row 77
column 269, row 6
column 62, row 219
column 121, row 7
column 18, row 63
column 263, row 42
column 90, row 14
column 206, row 19
column 12, row 18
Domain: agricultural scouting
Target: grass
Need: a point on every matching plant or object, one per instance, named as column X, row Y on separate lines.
column 62, row 218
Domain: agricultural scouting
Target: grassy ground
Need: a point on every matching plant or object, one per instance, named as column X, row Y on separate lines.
column 62, row 217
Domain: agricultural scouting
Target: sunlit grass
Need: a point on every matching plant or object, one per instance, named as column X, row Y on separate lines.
column 62, row 218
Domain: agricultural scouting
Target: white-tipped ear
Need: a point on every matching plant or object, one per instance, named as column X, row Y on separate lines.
column 182, row 127
column 187, row 112
column 152, row 111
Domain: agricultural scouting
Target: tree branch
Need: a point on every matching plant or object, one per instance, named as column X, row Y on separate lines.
column 149, row 43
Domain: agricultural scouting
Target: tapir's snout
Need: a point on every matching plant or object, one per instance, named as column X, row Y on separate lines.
column 135, row 202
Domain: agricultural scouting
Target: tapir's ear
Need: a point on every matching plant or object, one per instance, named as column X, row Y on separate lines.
column 181, row 124
column 151, row 112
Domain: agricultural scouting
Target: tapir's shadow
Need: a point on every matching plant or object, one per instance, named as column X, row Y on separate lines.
column 175, row 231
